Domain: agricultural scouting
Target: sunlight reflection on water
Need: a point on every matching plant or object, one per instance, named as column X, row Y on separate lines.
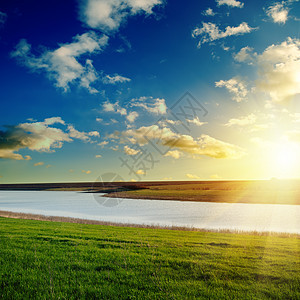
column 233, row 216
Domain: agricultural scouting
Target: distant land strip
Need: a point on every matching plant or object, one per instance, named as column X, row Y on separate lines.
column 241, row 191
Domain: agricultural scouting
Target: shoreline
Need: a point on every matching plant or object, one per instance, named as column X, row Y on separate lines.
column 38, row 217
column 205, row 198
column 248, row 191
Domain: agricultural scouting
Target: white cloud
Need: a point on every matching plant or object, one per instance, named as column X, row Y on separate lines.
column 81, row 135
column 132, row 116
column 209, row 12
column 102, row 144
column 10, row 154
column 278, row 12
column 53, row 120
column 98, row 156
column 94, row 133
column 152, row 105
column 236, row 87
column 212, row 147
column 39, row 164
column 246, row 54
column 279, row 70
column 115, row 79
column 196, row 122
column 232, row 3
column 210, row 32
column 109, row 107
column 130, row 151
column 114, row 108
column 242, row 121
column 108, row 15
column 62, row 65
column 204, row 145
column 36, row 136
column 174, row 153
column 164, row 122
column 74, row 133
column 192, row 176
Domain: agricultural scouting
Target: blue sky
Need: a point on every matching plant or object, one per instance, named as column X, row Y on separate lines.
column 89, row 84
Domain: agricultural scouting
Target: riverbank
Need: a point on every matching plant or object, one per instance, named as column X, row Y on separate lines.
column 38, row 217
column 62, row 260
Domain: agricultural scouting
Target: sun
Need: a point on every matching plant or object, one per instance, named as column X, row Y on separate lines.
column 285, row 156
column 285, row 160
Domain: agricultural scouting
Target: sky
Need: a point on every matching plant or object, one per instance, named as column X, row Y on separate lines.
column 149, row 90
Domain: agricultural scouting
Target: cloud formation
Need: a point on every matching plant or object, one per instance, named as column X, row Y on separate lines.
column 130, row 151
column 102, row 144
column 196, row 121
column 208, row 13
column 279, row 70
column 242, row 121
column 246, row 54
column 278, row 12
column 204, row 145
column 37, row 136
column 174, row 153
column 115, row 79
column 232, row 3
column 236, row 87
column 84, row 136
column 108, row 15
column 132, row 116
column 152, row 105
column 192, row 176
column 114, row 108
column 210, row 32
column 63, row 65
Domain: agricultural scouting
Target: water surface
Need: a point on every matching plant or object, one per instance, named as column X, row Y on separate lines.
column 233, row 216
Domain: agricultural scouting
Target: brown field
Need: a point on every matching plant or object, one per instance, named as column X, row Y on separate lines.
column 267, row 192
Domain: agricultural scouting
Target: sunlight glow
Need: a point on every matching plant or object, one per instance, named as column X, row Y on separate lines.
column 285, row 160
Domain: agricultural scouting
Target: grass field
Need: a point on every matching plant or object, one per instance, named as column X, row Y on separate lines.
column 53, row 260
column 264, row 192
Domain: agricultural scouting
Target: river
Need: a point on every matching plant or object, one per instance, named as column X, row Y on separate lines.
column 232, row 216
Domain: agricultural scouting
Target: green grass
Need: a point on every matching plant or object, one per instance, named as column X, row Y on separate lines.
column 52, row 260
